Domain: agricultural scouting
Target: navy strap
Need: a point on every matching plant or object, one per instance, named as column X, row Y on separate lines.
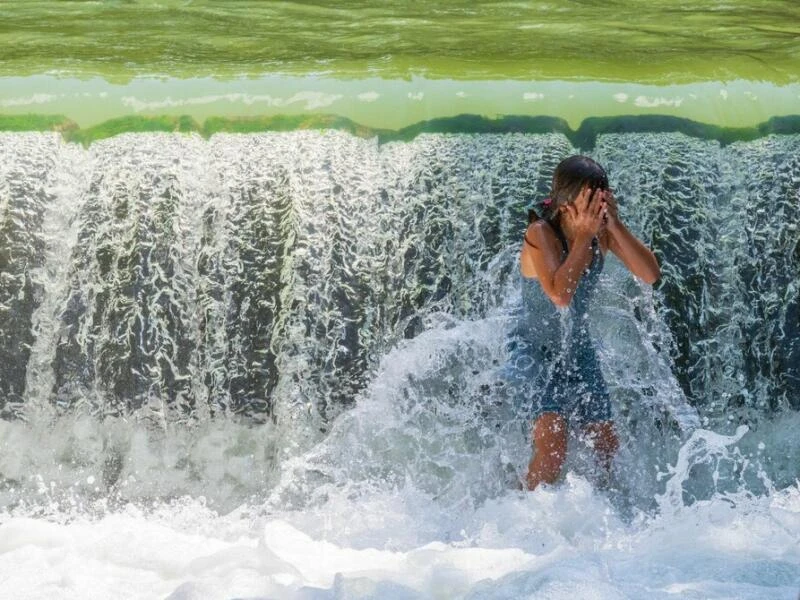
column 563, row 239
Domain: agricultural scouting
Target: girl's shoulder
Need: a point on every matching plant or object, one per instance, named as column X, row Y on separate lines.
column 542, row 230
column 546, row 237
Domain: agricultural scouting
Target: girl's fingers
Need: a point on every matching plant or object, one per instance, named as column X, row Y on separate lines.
column 600, row 213
column 579, row 201
column 598, row 206
column 584, row 198
column 591, row 198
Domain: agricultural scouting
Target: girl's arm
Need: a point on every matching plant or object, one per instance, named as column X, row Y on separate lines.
column 639, row 259
column 542, row 249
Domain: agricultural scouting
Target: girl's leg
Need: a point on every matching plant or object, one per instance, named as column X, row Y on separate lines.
column 549, row 449
column 603, row 438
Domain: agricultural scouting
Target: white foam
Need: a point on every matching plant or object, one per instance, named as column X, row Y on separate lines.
column 551, row 543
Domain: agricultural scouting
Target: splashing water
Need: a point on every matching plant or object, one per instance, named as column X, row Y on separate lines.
column 269, row 366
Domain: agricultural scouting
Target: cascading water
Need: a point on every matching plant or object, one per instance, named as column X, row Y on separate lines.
column 306, row 331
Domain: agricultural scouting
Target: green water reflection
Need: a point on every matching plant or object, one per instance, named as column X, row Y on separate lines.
column 647, row 41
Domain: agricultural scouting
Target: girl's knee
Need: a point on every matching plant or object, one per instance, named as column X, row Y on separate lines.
column 550, row 436
column 603, row 437
column 549, row 433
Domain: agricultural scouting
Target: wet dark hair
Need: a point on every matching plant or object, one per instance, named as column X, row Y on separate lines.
column 569, row 178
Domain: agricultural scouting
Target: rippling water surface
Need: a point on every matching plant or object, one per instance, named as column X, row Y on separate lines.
column 656, row 42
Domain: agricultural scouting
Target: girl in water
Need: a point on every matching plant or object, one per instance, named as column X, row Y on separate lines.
column 562, row 256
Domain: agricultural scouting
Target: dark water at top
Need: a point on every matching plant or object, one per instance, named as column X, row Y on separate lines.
column 656, row 42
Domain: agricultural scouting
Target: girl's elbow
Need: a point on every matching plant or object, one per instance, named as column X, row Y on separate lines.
column 652, row 276
column 561, row 300
column 650, row 271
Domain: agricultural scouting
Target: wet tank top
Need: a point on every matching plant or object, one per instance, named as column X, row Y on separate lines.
column 544, row 327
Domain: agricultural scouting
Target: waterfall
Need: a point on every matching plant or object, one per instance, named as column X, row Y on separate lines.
column 725, row 223
column 274, row 278
column 248, row 271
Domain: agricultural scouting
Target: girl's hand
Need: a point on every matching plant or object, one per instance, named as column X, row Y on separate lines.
column 588, row 211
column 612, row 212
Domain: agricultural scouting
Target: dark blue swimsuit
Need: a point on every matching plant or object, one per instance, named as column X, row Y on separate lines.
column 553, row 365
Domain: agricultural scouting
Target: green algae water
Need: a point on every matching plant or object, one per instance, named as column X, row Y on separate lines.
column 649, row 41
column 391, row 66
